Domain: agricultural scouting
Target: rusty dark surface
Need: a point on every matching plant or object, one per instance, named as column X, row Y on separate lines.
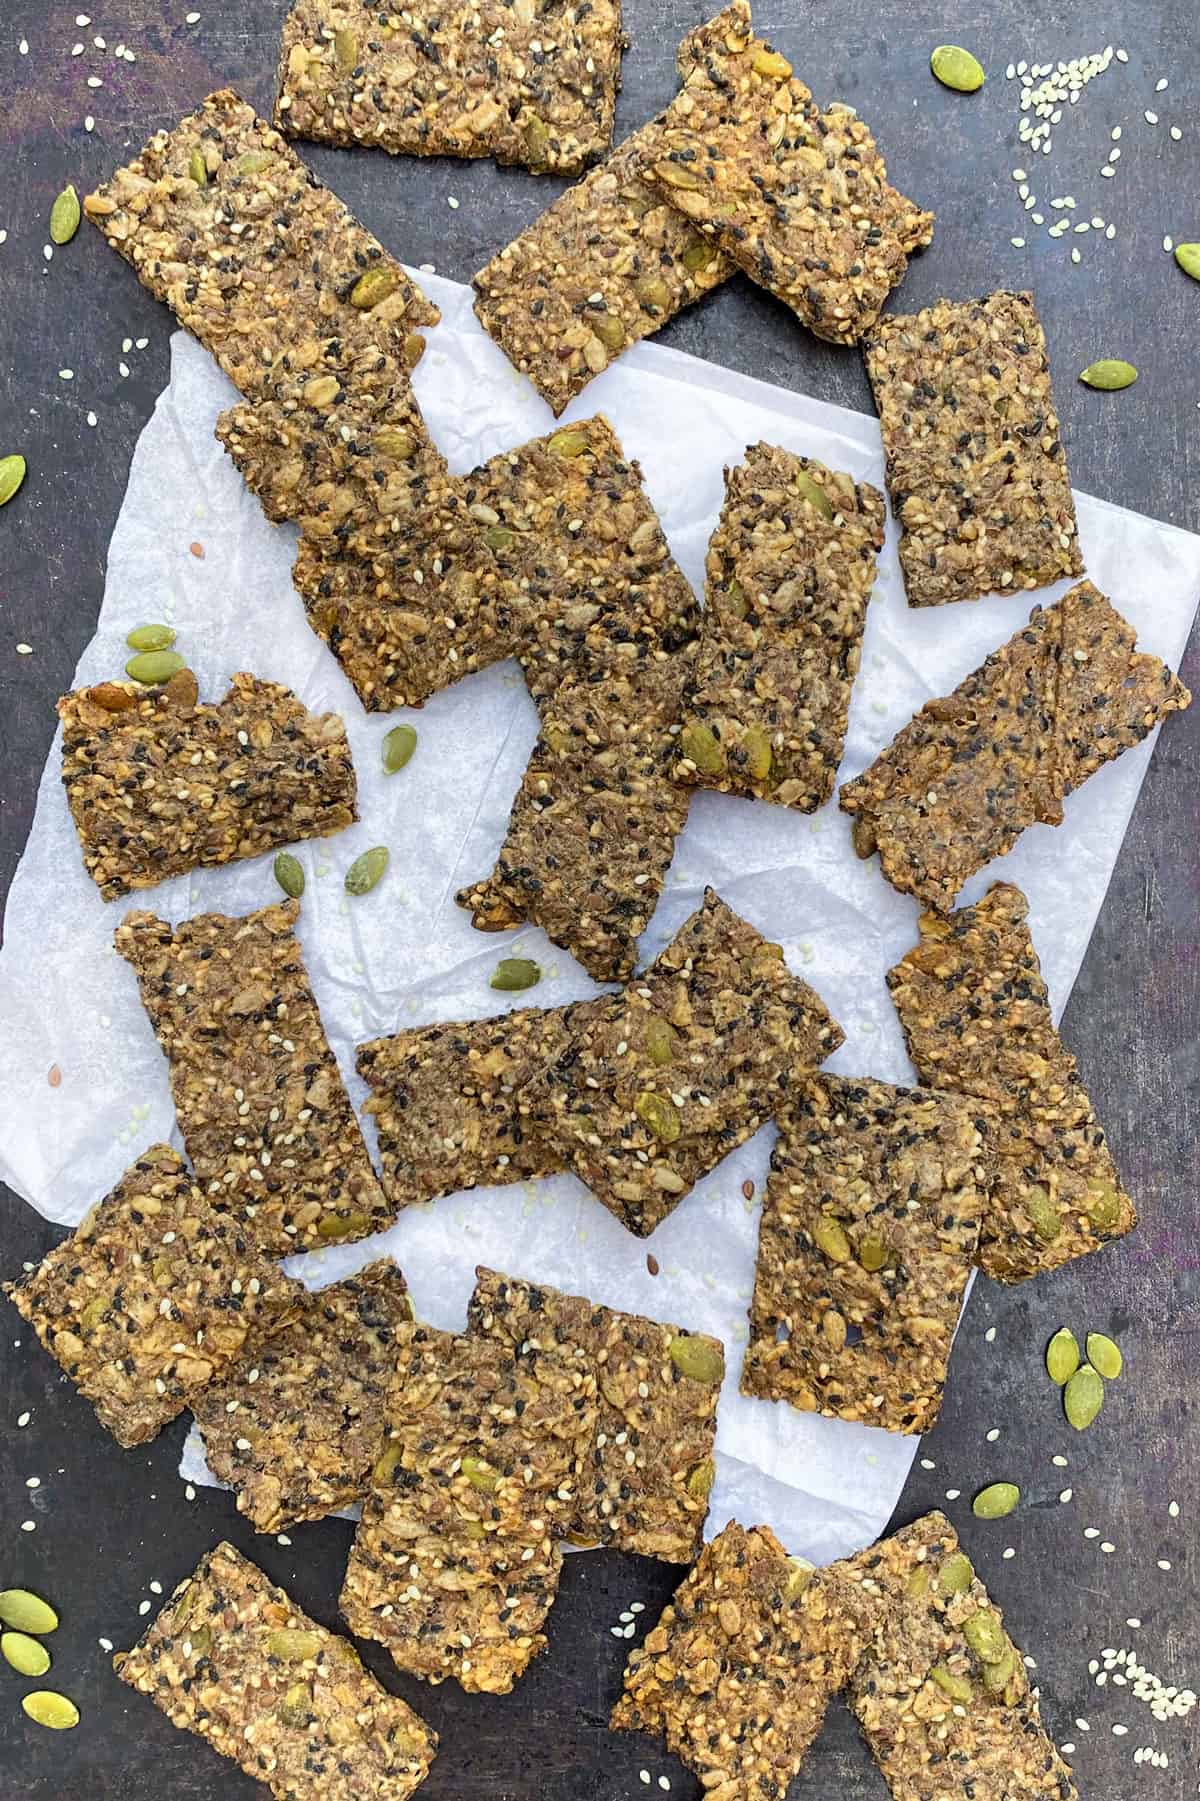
column 109, row 1522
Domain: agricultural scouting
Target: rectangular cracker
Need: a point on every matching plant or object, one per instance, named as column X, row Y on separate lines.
column 258, row 1094
column 790, row 570
column 257, row 254
column 456, row 1561
column 663, row 1081
column 646, row 1482
column 151, row 1298
column 942, row 1694
column 868, row 1232
column 159, row 783
column 958, row 785
column 798, row 199
column 976, row 1019
column 739, row 1670
column 293, row 1426
column 525, row 83
column 975, row 462
column 234, row 1660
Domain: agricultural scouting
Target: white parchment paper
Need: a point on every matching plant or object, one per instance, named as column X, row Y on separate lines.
column 406, row 954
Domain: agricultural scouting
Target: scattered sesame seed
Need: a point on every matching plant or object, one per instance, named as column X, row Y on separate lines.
column 1108, row 171
column 1091, row 1532
column 452, row 203
column 1164, row 1563
column 1160, row 87
column 29, row 1525
column 1122, row 56
column 124, row 368
column 1059, row 1462
column 644, row 1776
column 952, row 1494
column 664, row 1782
column 23, row 47
column 91, row 419
column 143, row 1607
column 927, row 1463
column 1150, row 118
column 76, row 49
column 1075, row 256
column 23, row 1419
column 1176, row 133
column 48, row 251
column 1019, row 175
column 100, row 43
column 281, row 1538
column 82, row 19
column 1173, row 1509
column 156, row 1588
column 105, row 1644
column 1119, row 1731
column 33, row 1481
column 990, row 1335
column 1008, row 1552
column 1017, row 243
column 1168, row 243
column 1135, row 1623
column 1066, row 1494
column 24, row 650
column 95, row 81
column 1067, row 1749
column 89, row 124
column 189, row 1493
column 1107, row 1547
column 192, row 19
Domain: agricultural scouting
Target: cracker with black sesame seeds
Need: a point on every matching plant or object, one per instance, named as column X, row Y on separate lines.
column 662, row 1081
column 159, row 783
column 798, row 199
column 523, row 82
column 223, row 222
column 646, row 1481
column 234, row 1660
column 961, row 781
column 976, row 1017
column 258, row 1093
column 152, row 1297
column 941, row 1688
column 294, row 1425
column 975, row 463
column 456, row 1561
column 869, row 1227
column 790, row 570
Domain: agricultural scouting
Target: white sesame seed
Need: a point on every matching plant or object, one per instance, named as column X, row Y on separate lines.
column 23, row 47
column 1091, row 1532
column 1168, row 243
column 452, row 203
column 1075, row 256
column 1160, row 87
column 1119, row 1731
column 1008, row 1552
column 105, row 1644
column 189, row 1493
column 94, row 81
column 156, row 1588
column 1067, row 1749
column 100, row 43
column 281, row 1538
column 1150, row 118
column 1017, row 243
column 1135, row 1623
column 1107, row 1547
column 1122, row 56
column 143, row 1607
column 644, row 1776
column 1173, row 1510
column 1164, row 1563
column 664, row 1782
column 22, row 1419
column 33, row 1481
column 29, row 1525
column 952, row 1494
column 990, row 1335
column 76, row 49
column 1066, row 1494
column 1110, row 231
column 1176, row 133
column 1019, row 175
column 191, row 18
column 89, row 124
column 1059, row 1462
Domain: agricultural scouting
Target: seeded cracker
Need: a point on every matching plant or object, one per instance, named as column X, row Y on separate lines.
column 975, row 465
column 665, row 1079
column 456, row 1561
column 294, row 1426
column 233, row 1659
column 646, row 1482
column 976, row 1019
column 959, row 784
column 151, row 1297
column 223, row 222
column 258, row 1094
column 739, row 1670
column 796, row 198
column 868, row 1232
column 523, row 82
column 790, row 571
column 943, row 1695
column 159, row 784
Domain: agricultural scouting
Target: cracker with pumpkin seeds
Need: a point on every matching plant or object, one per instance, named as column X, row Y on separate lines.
column 798, row 199
column 961, row 781
column 976, row 1017
column 790, row 570
column 152, row 1297
column 223, row 222
column 456, row 1560
column 294, row 1425
column 942, row 1688
column 234, row 1660
column 159, row 783
column 646, row 1483
column 258, row 1094
column 523, row 82
column 662, row 1081
column 975, row 463
column 593, row 826
column 868, row 1231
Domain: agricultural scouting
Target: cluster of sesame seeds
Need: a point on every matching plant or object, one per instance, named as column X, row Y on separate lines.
column 1166, row 1701
column 627, row 1620
column 664, row 1782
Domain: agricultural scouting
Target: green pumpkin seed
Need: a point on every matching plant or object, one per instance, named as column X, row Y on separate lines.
column 702, row 747
column 336, row 1226
column 499, row 537
column 872, row 1254
column 26, row 1612
column 91, row 1316
column 919, row 1582
column 956, row 68
column 255, row 162
column 653, row 291
column 998, row 1674
column 12, row 474
column 65, row 215
column 609, row 330
column 1062, row 1356
column 699, row 1483
column 289, row 874
column 567, row 443
column 153, row 666
column 367, row 871
column 1188, row 258
column 830, row 1236
column 658, row 1115
column 1109, row 374
column 345, row 49
column 769, row 62
column 957, row 1687
column 698, row 256
column 1103, row 1206
column 1083, row 1397
column 801, row 1574
column 956, row 1574
column 322, row 391
column 679, row 175
column 151, row 637
column 1043, row 1214
column 985, row 1635
column 398, row 748
column 537, row 139
column 480, row 1475
column 814, row 493
column 296, row 1707
column 755, row 747
column 46, row 1708
column 698, row 1358
column 1104, row 1356
column 26, row 1656
column 386, row 1464
column 198, row 168
column 392, row 442
column 996, row 1502
column 293, row 1645
column 661, row 1040
column 201, row 1640
column 512, row 974
column 371, row 288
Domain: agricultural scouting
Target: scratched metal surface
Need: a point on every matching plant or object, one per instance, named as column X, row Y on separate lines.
column 108, row 1522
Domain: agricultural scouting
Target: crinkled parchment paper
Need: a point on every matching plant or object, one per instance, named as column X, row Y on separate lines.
column 406, row 954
